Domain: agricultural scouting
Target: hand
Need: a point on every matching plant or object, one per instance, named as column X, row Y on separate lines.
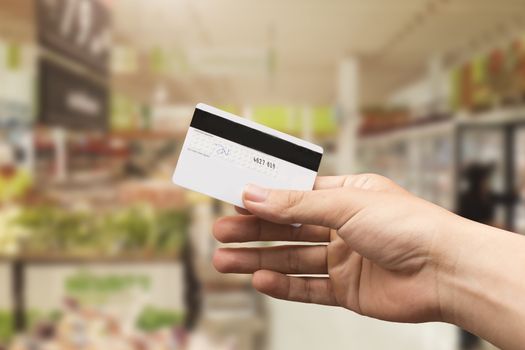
column 376, row 249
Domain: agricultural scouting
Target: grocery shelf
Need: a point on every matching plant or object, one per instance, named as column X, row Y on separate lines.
column 148, row 135
column 494, row 137
column 404, row 127
column 510, row 115
column 413, row 130
column 409, row 153
column 423, row 155
column 79, row 259
column 18, row 266
column 421, row 126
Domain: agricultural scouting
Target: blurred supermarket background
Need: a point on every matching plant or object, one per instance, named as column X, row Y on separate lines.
column 98, row 250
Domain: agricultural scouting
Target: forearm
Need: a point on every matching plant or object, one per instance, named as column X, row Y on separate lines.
column 483, row 286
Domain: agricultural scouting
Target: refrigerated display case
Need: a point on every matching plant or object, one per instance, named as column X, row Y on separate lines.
column 418, row 158
column 519, row 161
column 499, row 141
column 428, row 160
column 484, row 146
column 435, row 168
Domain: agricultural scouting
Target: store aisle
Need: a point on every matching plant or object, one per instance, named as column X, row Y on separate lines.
column 310, row 327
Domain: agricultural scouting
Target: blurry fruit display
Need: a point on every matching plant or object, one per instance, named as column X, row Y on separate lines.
column 135, row 231
column 90, row 287
column 7, row 331
column 324, row 120
column 6, row 328
column 518, row 61
column 497, row 77
column 153, row 319
column 494, row 79
column 379, row 118
column 14, row 184
column 481, row 93
column 79, row 327
column 10, row 234
column 125, row 113
column 157, row 193
column 455, row 89
column 465, row 81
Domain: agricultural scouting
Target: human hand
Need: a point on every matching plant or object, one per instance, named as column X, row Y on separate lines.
column 376, row 247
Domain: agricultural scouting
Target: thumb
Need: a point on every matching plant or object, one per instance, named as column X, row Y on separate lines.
column 329, row 208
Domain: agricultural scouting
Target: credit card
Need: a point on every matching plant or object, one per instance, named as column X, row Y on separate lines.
column 222, row 153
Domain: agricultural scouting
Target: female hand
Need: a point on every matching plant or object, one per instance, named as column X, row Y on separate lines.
column 378, row 253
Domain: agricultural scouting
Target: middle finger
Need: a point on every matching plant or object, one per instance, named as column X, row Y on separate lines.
column 306, row 259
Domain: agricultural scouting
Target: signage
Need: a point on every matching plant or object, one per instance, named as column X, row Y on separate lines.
column 70, row 100
column 78, row 29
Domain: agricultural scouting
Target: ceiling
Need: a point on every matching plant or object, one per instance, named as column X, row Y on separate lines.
column 392, row 39
column 288, row 51
column 15, row 20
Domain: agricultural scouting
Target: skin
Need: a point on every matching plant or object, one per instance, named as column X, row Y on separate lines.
column 381, row 252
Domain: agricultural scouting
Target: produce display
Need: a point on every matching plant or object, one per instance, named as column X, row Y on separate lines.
column 95, row 291
column 80, row 327
column 136, row 231
column 153, row 319
column 492, row 79
column 7, row 333
column 14, row 184
column 381, row 118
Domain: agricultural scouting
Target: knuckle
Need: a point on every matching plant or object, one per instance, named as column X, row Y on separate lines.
column 336, row 215
column 373, row 176
column 308, row 290
column 291, row 201
column 333, row 296
column 259, row 230
column 356, row 226
column 379, row 182
column 293, row 260
column 294, row 198
column 368, row 181
column 295, row 233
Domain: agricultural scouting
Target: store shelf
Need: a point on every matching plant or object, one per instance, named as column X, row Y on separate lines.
column 418, row 156
column 493, row 117
column 436, row 124
column 46, row 259
column 19, row 264
column 147, row 135
column 406, row 127
column 414, row 130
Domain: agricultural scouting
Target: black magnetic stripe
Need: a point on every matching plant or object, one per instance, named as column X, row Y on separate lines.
column 256, row 139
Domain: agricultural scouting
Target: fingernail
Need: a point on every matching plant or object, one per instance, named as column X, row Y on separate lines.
column 254, row 193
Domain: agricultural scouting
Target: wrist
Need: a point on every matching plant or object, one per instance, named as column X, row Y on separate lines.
column 447, row 251
column 479, row 278
column 451, row 270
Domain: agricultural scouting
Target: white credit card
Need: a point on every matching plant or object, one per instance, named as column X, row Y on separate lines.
column 222, row 153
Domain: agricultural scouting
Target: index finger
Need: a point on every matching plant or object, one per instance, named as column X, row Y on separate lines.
column 328, row 208
column 328, row 182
